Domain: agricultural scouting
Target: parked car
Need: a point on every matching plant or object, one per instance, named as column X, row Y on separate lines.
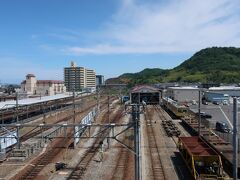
column 204, row 102
column 216, row 102
column 222, row 127
column 225, row 102
column 194, row 102
column 204, row 115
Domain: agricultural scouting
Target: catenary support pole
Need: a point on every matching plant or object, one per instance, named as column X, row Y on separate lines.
column 18, row 133
column 108, row 109
column 199, row 113
column 18, row 138
column 17, row 107
column 235, row 139
column 136, row 118
column 74, row 119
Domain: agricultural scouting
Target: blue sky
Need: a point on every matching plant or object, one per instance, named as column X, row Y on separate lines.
column 110, row 36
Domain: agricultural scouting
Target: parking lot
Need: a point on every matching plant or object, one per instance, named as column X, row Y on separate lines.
column 220, row 112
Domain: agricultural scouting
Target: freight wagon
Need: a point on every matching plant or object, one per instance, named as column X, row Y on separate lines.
column 203, row 161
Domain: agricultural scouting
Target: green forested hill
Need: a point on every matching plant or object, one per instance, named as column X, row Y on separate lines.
column 216, row 64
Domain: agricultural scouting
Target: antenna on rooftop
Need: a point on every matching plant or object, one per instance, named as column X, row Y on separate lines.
column 73, row 64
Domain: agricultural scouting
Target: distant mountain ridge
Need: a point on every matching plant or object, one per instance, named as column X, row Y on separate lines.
column 213, row 65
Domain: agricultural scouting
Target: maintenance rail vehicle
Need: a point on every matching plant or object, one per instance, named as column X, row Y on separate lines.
column 173, row 106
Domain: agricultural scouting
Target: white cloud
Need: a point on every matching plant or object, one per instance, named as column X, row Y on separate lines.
column 168, row 26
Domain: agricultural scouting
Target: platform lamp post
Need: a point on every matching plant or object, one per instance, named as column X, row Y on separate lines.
column 235, row 139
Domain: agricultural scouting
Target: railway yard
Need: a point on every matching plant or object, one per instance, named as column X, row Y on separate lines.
column 93, row 137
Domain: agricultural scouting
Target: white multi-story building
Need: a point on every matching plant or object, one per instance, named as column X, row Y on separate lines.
column 32, row 86
column 79, row 78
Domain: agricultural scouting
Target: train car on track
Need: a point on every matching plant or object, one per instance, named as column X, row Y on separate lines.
column 171, row 105
column 203, row 161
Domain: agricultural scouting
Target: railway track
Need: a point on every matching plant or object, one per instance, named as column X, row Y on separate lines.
column 156, row 163
column 36, row 131
column 32, row 171
column 23, row 110
column 181, row 169
column 81, row 167
column 120, row 171
column 36, row 166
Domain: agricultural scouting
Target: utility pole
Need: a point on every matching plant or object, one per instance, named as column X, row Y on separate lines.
column 235, row 139
column 199, row 113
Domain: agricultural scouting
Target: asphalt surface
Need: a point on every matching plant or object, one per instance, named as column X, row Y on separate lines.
column 221, row 112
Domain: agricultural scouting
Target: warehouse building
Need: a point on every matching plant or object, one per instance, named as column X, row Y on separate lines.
column 216, row 97
column 32, row 86
column 230, row 90
column 79, row 78
column 183, row 94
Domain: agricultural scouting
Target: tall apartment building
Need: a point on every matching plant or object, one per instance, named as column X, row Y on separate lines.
column 90, row 78
column 79, row 78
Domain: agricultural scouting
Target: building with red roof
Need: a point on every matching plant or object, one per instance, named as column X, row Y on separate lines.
column 32, row 86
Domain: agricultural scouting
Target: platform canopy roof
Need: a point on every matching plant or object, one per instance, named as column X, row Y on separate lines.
column 30, row 101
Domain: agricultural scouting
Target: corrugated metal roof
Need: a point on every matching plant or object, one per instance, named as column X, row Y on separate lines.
column 144, row 88
column 184, row 88
column 225, row 88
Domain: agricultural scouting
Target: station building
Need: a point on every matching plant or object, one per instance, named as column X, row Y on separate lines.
column 32, row 86
column 183, row 94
